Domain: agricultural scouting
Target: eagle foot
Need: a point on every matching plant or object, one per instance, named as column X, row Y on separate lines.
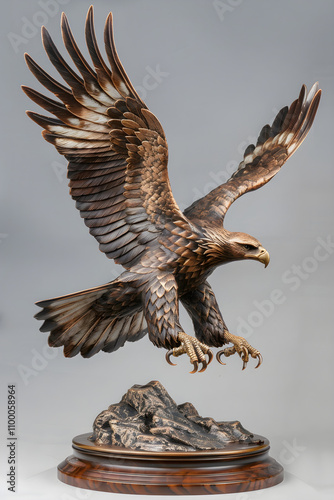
column 242, row 347
column 195, row 349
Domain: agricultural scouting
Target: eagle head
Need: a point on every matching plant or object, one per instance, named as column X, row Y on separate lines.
column 226, row 246
column 244, row 246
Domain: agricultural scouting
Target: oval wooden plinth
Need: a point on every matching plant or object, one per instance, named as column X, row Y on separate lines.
column 236, row 468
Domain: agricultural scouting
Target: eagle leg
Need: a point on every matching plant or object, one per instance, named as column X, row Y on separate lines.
column 201, row 304
column 162, row 316
column 240, row 346
column 194, row 349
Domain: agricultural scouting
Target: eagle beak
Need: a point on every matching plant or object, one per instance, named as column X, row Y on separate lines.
column 263, row 256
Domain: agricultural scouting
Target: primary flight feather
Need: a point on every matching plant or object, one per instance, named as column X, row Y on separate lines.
column 118, row 155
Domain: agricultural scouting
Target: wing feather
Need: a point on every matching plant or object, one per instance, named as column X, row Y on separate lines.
column 115, row 146
column 275, row 144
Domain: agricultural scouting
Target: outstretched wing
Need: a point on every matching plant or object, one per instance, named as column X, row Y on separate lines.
column 276, row 143
column 115, row 146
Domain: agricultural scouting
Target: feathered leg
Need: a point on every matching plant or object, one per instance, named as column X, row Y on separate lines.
column 210, row 327
column 162, row 315
column 202, row 307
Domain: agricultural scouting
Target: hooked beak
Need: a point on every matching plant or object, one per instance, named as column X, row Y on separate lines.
column 261, row 256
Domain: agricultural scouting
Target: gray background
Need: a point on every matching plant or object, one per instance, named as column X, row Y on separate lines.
column 227, row 70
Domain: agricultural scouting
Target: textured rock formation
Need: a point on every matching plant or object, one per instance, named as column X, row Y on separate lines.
column 147, row 418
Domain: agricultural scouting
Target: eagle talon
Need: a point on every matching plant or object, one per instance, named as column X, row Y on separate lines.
column 242, row 347
column 260, row 359
column 218, row 357
column 244, row 356
column 206, row 363
column 168, row 355
column 195, row 363
column 210, row 356
column 204, row 367
column 195, row 349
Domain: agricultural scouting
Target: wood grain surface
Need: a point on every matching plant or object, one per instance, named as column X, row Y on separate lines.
column 236, row 468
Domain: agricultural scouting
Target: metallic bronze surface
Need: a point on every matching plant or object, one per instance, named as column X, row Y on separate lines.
column 236, row 468
column 147, row 418
column 117, row 154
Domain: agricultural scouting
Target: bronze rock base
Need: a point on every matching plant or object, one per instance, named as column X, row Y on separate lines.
column 237, row 467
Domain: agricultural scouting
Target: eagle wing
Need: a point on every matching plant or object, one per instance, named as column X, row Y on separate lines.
column 276, row 143
column 115, row 146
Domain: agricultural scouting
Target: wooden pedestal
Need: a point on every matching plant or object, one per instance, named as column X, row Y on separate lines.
column 236, row 468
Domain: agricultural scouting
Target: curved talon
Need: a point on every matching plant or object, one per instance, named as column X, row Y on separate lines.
column 210, row 355
column 194, row 349
column 206, row 363
column 204, row 367
column 168, row 355
column 260, row 359
column 244, row 356
column 195, row 363
column 218, row 357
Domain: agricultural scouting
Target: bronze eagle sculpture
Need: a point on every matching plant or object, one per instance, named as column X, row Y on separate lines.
column 117, row 170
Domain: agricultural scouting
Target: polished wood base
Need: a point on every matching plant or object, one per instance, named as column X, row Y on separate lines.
column 236, row 468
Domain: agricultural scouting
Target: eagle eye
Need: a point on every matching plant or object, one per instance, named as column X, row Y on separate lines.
column 249, row 247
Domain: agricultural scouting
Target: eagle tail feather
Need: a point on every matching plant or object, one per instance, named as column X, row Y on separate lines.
column 79, row 323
